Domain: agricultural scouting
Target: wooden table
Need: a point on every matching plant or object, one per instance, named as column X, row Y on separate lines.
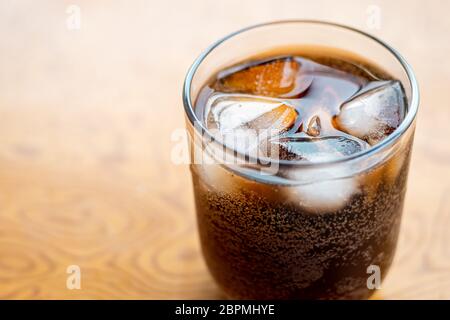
column 86, row 117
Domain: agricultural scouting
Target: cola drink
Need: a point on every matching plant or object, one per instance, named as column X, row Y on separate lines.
column 312, row 228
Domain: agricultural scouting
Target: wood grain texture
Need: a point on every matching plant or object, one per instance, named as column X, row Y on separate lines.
column 86, row 119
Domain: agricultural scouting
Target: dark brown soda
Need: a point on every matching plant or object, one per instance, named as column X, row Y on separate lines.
column 259, row 245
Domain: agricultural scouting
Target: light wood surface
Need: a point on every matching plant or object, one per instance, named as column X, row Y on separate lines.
column 86, row 118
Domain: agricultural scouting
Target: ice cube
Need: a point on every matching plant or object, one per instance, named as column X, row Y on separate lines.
column 374, row 112
column 321, row 189
column 318, row 149
column 273, row 78
column 243, row 122
column 278, row 120
column 327, row 195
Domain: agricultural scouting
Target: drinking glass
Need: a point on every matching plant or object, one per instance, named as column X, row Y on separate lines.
column 268, row 236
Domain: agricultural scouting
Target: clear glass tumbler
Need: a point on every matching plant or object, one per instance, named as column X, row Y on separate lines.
column 270, row 238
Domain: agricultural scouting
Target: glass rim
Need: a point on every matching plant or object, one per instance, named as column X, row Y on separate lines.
column 413, row 104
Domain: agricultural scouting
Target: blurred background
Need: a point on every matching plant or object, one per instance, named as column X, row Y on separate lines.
column 90, row 93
